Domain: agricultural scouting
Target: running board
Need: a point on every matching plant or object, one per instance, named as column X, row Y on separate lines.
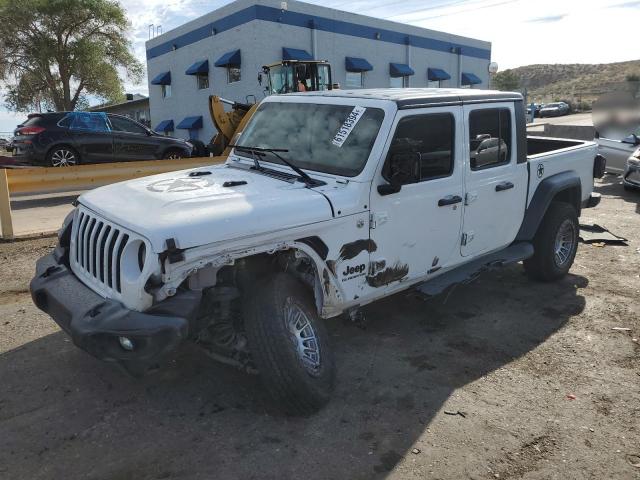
column 468, row 272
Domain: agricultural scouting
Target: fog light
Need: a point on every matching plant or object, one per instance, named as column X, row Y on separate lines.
column 126, row 343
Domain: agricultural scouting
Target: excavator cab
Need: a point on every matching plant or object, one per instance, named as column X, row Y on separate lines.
column 283, row 77
column 296, row 76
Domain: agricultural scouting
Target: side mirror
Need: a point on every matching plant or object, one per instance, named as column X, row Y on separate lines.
column 403, row 169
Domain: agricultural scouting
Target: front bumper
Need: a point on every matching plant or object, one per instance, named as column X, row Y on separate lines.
column 631, row 176
column 95, row 323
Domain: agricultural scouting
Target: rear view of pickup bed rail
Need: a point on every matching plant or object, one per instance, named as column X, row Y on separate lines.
column 328, row 202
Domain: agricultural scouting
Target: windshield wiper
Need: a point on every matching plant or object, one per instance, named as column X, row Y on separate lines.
column 258, row 150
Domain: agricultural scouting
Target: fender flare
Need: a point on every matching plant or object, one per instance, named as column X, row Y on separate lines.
column 545, row 192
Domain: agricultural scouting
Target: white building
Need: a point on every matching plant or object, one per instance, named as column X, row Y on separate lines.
column 223, row 51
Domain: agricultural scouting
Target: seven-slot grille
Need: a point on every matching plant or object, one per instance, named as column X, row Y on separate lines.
column 98, row 249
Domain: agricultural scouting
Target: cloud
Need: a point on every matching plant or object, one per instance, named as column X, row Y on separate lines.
column 633, row 4
column 548, row 19
column 9, row 121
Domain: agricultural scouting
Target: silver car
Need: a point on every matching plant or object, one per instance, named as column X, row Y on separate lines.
column 618, row 151
column 631, row 176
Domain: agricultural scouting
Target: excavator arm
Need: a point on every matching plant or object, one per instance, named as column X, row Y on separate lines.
column 227, row 123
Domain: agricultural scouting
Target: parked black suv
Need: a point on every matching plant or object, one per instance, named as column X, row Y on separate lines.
column 69, row 138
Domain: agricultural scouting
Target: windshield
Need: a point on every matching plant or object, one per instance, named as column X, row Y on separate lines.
column 334, row 139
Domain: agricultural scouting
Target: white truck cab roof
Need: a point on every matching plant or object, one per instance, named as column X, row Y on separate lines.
column 413, row 97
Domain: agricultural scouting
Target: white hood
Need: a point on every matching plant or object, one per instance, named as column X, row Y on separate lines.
column 198, row 210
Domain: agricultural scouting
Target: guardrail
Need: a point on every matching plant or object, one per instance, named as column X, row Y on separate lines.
column 80, row 177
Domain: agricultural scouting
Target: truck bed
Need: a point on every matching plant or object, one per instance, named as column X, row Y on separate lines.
column 550, row 156
column 544, row 145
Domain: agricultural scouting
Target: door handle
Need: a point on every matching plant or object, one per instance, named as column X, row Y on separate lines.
column 449, row 200
column 501, row 187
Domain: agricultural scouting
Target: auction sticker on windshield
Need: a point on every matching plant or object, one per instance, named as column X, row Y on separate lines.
column 349, row 124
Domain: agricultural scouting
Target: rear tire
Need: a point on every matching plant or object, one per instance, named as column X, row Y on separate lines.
column 555, row 243
column 289, row 345
column 63, row 156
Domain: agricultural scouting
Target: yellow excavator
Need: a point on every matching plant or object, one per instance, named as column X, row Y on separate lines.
column 282, row 77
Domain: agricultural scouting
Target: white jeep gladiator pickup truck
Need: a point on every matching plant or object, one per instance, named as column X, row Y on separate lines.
column 328, row 202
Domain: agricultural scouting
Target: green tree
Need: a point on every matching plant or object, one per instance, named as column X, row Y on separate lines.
column 506, row 80
column 53, row 53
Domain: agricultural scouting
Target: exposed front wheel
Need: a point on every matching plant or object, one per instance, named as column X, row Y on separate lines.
column 63, row 157
column 289, row 345
column 555, row 243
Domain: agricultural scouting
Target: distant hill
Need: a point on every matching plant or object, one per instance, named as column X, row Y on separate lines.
column 576, row 82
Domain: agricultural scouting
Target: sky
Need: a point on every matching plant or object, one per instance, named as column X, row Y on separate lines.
column 522, row 32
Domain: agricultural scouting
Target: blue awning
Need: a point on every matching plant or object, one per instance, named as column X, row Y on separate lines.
column 229, row 59
column 400, row 70
column 355, row 64
column 165, row 126
column 198, row 67
column 163, row 79
column 191, row 123
column 435, row 74
column 295, row 54
column 470, row 79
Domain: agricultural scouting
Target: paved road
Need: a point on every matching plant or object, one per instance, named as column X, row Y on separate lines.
column 40, row 214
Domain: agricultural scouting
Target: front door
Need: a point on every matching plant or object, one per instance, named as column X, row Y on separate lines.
column 131, row 141
column 416, row 230
column 495, row 184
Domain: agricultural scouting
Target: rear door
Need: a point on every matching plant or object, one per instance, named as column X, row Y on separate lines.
column 495, row 184
column 131, row 141
column 91, row 136
column 416, row 230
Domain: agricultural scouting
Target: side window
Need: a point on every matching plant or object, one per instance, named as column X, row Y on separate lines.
column 95, row 122
column 427, row 141
column 120, row 124
column 489, row 137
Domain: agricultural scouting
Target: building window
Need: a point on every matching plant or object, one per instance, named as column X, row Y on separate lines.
column 355, row 80
column 399, row 82
column 233, row 74
column 203, row 81
column 433, row 84
column 166, row 91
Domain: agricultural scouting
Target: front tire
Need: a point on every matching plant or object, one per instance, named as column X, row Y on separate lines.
column 555, row 243
column 289, row 345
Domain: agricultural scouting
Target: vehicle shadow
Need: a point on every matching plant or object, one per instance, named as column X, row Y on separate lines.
column 65, row 415
column 611, row 185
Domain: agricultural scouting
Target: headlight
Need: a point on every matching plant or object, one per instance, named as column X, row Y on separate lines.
column 189, row 144
column 636, row 154
column 634, row 161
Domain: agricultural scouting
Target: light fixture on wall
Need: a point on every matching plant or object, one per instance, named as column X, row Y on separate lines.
column 377, row 36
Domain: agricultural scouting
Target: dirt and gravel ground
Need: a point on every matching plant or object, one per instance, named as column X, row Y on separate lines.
column 545, row 387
